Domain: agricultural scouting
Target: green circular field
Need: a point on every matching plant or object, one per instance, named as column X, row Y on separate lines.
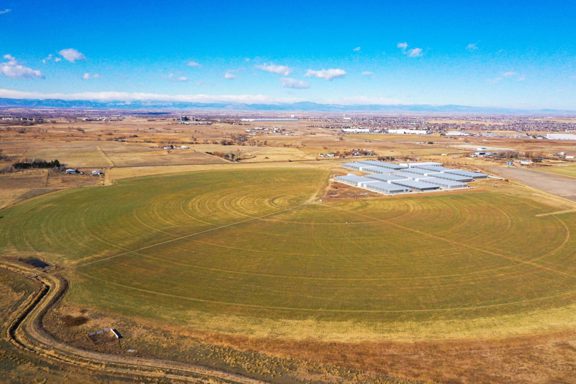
column 257, row 252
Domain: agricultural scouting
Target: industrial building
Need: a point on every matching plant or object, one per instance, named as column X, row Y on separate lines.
column 444, row 183
column 352, row 180
column 388, row 188
column 417, row 185
column 391, row 178
column 386, row 177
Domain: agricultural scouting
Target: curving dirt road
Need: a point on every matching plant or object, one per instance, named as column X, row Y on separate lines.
column 25, row 331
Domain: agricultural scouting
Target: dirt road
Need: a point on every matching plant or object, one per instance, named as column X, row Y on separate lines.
column 26, row 332
column 554, row 184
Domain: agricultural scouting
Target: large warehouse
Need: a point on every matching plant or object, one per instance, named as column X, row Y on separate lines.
column 391, row 178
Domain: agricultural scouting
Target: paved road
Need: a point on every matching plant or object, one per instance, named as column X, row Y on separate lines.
column 555, row 184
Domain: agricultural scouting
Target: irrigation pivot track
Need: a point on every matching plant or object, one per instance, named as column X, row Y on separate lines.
column 26, row 332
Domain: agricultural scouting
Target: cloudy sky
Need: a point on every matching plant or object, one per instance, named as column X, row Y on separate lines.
column 482, row 53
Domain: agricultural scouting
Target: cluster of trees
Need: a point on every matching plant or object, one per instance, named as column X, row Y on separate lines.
column 355, row 152
column 240, row 139
column 230, row 156
column 37, row 163
column 536, row 157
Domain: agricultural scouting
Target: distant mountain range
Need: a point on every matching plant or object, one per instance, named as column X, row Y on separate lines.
column 280, row 107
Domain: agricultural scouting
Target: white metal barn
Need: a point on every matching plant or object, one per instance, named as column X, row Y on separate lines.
column 417, row 185
column 353, row 180
column 383, row 164
column 375, row 169
column 390, row 178
column 461, row 172
column 444, row 183
column 388, row 188
column 355, row 166
column 451, row 176
column 421, row 164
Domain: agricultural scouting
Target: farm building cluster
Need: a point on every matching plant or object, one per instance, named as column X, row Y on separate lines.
column 391, row 178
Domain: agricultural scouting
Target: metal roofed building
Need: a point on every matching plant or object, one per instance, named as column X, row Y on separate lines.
column 437, row 168
column 375, row 169
column 353, row 180
column 390, row 178
column 384, row 187
column 561, row 136
column 355, row 166
column 445, row 183
column 408, row 175
column 382, row 164
column 419, row 171
column 422, row 164
column 461, row 172
column 386, row 177
column 451, row 176
column 418, row 185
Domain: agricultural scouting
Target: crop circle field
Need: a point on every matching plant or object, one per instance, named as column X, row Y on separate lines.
column 257, row 252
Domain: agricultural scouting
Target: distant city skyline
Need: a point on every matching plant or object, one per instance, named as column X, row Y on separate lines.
column 489, row 54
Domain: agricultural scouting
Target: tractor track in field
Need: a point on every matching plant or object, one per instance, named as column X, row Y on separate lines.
column 26, row 332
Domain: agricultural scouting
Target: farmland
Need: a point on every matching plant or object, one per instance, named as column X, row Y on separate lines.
column 259, row 253
column 264, row 268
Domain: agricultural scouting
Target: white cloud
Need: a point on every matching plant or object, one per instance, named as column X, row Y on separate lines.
column 174, row 77
column 414, row 52
column 198, row 98
column 508, row 75
column 193, row 64
column 367, row 73
column 50, row 58
column 12, row 68
column 274, row 68
column 288, row 82
column 229, row 75
column 357, row 49
column 471, row 47
column 327, row 74
column 5, row 11
column 90, row 76
column 72, row 55
column 353, row 100
column 142, row 96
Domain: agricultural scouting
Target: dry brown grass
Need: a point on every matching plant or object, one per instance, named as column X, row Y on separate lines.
column 530, row 347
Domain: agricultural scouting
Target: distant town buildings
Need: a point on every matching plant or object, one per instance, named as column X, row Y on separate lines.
column 561, row 136
column 356, row 130
column 403, row 131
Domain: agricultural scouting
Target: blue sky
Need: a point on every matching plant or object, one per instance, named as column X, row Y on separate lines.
column 483, row 53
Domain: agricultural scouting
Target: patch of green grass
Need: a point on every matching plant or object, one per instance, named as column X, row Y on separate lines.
column 250, row 250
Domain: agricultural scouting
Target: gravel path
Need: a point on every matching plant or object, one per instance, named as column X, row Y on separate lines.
column 554, row 184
